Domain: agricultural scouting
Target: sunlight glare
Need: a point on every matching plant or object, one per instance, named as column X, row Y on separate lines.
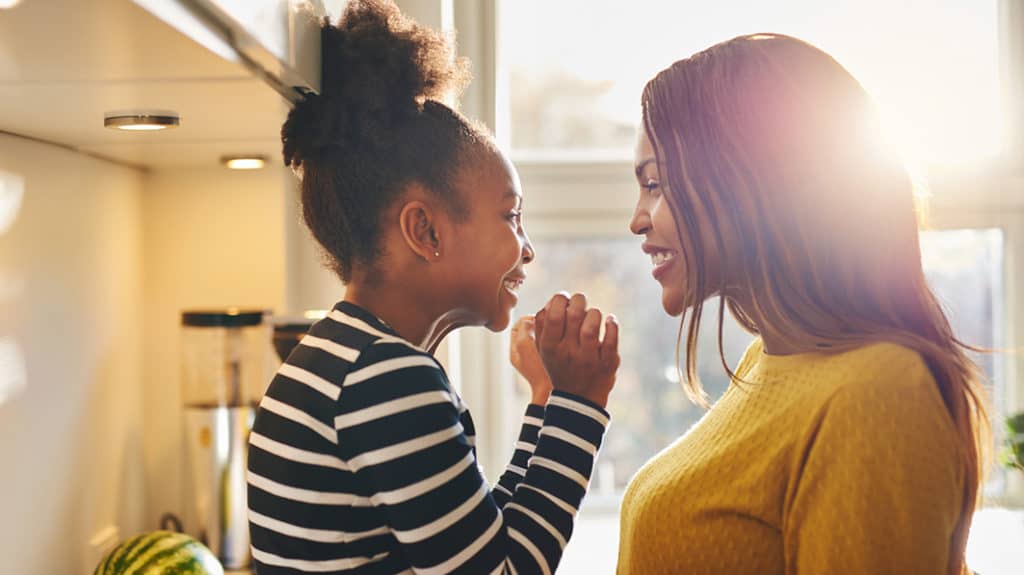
column 931, row 65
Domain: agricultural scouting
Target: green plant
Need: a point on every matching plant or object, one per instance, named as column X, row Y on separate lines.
column 1012, row 453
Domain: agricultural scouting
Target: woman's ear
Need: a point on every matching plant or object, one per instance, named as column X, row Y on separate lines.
column 421, row 223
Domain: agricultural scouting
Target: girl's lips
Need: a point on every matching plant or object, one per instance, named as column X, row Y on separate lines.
column 512, row 285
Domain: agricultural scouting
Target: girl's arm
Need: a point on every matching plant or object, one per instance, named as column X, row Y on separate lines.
column 525, row 446
column 399, row 431
column 524, row 357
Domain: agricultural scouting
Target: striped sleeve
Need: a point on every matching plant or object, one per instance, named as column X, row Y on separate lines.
column 525, row 446
column 399, row 430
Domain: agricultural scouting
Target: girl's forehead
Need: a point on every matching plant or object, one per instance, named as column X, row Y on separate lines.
column 495, row 177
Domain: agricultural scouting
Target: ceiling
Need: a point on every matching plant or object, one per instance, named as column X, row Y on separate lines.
column 65, row 63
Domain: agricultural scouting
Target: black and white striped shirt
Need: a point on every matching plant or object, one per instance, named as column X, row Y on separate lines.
column 362, row 461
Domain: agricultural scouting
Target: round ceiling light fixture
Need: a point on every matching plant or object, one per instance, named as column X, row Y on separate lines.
column 252, row 162
column 141, row 121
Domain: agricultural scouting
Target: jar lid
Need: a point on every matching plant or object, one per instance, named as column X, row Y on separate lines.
column 231, row 317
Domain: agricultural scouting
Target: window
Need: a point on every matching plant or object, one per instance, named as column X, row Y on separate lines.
column 560, row 83
column 576, row 76
column 963, row 266
column 648, row 404
column 965, row 270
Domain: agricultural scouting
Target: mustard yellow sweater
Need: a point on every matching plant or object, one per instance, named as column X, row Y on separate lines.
column 823, row 464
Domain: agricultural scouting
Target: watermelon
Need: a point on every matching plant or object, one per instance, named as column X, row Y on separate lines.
column 160, row 553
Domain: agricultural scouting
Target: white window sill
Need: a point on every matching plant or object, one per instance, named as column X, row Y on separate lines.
column 994, row 547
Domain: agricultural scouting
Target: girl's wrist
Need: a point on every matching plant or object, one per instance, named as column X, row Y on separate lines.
column 540, row 397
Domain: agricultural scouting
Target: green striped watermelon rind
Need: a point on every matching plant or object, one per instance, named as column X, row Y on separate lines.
column 160, row 553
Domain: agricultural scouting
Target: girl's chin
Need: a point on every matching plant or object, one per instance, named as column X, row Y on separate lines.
column 501, row 318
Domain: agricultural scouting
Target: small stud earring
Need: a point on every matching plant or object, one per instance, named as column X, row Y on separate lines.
column 437, row 254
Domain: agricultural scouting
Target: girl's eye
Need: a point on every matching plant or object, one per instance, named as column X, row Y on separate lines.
column 515, row 216
column 651, row 186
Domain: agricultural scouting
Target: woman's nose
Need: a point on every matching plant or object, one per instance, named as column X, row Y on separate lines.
column 640, row 223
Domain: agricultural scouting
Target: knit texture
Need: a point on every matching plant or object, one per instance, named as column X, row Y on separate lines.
column 813, row 464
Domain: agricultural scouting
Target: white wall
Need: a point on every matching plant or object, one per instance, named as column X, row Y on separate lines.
column 94, row 272
column 310, row 285
column 213, row 238
column 71, row 299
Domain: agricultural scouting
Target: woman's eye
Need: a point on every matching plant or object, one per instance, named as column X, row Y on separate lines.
column 515, row 216
column 651, row 186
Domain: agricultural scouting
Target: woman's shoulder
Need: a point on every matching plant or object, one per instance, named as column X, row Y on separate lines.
column 750, row 357
column 885, row 380
column 873, row 376
column 880, row 364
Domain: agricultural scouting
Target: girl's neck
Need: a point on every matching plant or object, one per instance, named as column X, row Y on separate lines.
column 406, row 309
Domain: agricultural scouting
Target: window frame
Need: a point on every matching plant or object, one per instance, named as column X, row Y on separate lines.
column 584, row 197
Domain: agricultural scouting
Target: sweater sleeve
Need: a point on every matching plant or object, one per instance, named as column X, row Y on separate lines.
column 524, row 448
column 880, row 485
column 399, row 431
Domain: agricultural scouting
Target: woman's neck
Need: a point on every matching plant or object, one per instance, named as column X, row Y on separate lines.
column 774, row 343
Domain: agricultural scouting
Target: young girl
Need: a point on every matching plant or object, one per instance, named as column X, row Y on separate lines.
column 850, row 440
column 362, row 458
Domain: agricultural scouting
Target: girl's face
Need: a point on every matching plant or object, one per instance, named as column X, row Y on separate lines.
column 491, row 247
column 653, row 219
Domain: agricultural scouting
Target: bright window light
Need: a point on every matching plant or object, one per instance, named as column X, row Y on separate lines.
column 576, row 68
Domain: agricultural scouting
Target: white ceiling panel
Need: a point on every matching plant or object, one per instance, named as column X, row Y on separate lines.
column 209, row 110
column 165, row 154
column 65, row 63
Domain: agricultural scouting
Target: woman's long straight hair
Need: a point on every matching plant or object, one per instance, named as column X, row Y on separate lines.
column 769, row 143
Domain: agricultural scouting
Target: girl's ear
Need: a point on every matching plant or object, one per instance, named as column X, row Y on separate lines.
column 420, row 225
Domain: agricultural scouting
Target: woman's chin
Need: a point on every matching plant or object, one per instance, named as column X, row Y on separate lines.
column 672, row 302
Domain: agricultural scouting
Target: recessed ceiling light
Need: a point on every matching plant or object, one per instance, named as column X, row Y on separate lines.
column 244, row 162
column 140, row 121
column 12, row 188
column 314, row 314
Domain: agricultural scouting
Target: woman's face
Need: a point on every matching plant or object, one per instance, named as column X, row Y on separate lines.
column 491, row 248
column 653, row 219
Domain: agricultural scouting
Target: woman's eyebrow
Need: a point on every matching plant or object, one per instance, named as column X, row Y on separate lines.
column 643, row 164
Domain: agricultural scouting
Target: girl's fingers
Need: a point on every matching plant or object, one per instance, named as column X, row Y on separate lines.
column 554, row 320
column 610, row 345
column 590, row 331
column 539, row 322
column 574, row 316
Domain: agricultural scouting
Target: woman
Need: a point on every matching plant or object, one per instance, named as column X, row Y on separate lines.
column 851, row 439
column 362, row 457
